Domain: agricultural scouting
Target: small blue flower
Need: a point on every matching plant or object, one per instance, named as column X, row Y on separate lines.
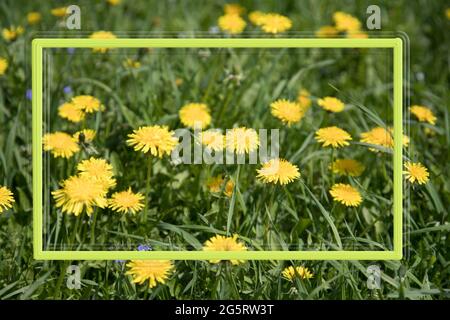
column 70, row 50
column 67, row 90
column 28, row 94
column 144, row 247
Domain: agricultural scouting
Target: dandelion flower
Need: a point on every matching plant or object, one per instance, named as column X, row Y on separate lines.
column 278, row 171
column 113, row 2
column 348, row 167
column 229, row 188
column 357, row 35
column 304, row 99
column 3, row 66
column 327, row 32
column 155, row 271
column 60, row 144
column 85, row 135
column 276, row 23
column 126, row 201
column 12, row 33
column 257, row 17
column 331, row 104
column 99, row 170
column 215, row 184
column 102, row 35
column 287, row 111
column 423, row 114
column 233, row 8
column 290, row 273
column 156, row 139
column 86, row 103
column 195, row 115
column 447, row 13
column 34, row 17
column 213, row 140
column 241, row 140
column 71, row 112
column 381, row 137
column 416, row 172
column 131, row 64
column 232, row 23
column 346, row 194
column 346, row 22
column 333, row 136
column 59, row 12
column 80, row 193
column 6, row 199
column 223, row 243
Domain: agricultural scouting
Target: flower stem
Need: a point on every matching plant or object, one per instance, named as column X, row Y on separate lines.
column 331, row 166
column 147, row 189
column 94, row 221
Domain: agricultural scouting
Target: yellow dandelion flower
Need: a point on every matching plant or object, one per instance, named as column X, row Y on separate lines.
column 290, row 273
column 416, row 172
column 60, row 144
column 155, row 271
column 59, row 12
column 304, row 99
column 126, row 202
column 257, row 17
column 233, row 8
column 276, row 23
column 232, row 23
column 347, row 167
column 156, row 139
column 331, row 104
column 6, row 199
column 3, row 66
column 447, row 13
column 223, row 243
column 215, row 184
column 213, row 139
column 381, row 137
column 12, row 33
column 85, row 135
column 34, row 17
column 241, row 140
column 178, row 82
column 86, row 103
column 327, row 32
column 113, row 2
column 71, row 112
column 99, row 170
column 80, row 193
column 229, row 188
column 287, row 111
column 357, row 35
column 278, row 171
column 102, row 35
column 131, row 64
column 423, row 114
column 195, row 115
column 346, row 22
column 333, row 136
column 346, row 194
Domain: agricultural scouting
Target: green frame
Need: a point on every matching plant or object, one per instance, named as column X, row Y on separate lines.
column 37, row 75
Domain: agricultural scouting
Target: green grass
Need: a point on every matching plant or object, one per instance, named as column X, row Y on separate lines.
column 182, row 212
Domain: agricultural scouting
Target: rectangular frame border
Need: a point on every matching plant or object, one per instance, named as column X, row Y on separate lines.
column 37, row 63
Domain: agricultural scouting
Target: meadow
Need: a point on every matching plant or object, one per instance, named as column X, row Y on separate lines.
column 110, row 117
